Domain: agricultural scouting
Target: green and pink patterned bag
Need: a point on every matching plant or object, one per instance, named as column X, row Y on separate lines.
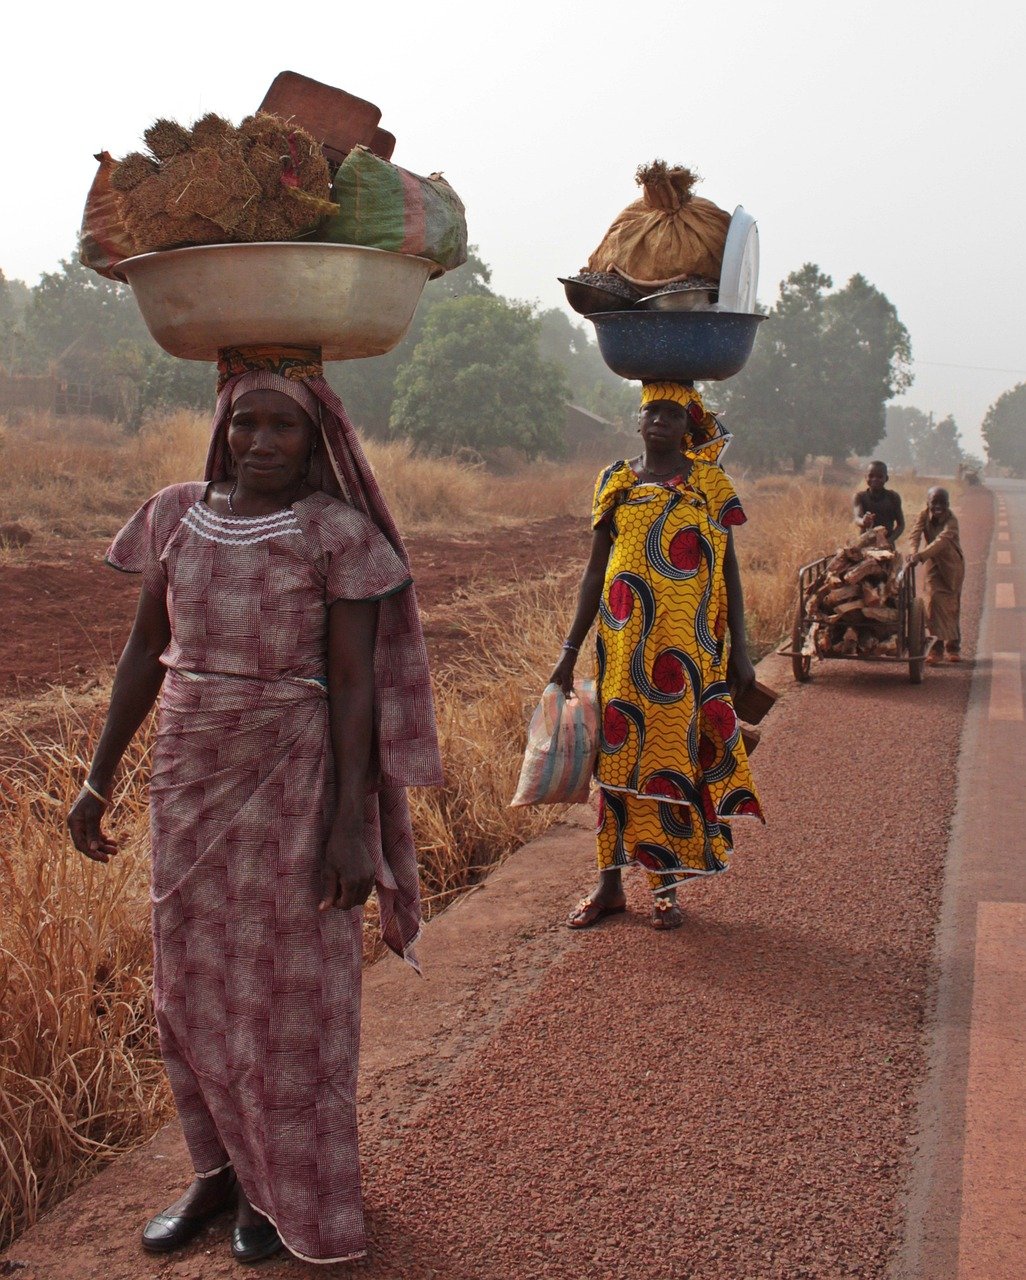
column 384, row 207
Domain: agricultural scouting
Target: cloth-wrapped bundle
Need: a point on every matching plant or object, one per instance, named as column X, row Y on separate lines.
column 382, row 206
column 667, row 235
column 104, row 240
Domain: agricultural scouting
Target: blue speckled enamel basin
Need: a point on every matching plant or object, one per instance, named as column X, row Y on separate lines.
column 675, row 346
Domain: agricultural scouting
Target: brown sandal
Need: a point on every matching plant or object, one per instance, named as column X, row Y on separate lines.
column 587, row 913
column 662, row 914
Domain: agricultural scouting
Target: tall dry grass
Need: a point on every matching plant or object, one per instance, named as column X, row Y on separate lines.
column 80, row 1072
column 790, row 522
column 81, row 476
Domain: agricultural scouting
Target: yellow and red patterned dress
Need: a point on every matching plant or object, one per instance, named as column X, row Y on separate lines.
column 672, row 768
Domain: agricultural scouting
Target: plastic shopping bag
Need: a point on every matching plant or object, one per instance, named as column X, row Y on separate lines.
column 562, row 746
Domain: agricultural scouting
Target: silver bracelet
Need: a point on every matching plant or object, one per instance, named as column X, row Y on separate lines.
column 574, row 648
column 88, row 786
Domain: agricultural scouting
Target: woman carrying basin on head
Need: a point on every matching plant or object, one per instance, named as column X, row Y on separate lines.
column 663, row 579
column 278, row 621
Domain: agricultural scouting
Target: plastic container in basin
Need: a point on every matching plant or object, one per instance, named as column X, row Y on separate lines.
column 675, row 346
column 350, row 301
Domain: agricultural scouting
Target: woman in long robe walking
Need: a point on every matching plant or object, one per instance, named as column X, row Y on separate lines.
column 278, row 619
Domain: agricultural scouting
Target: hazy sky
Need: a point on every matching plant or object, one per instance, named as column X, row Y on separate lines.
column 880, row 137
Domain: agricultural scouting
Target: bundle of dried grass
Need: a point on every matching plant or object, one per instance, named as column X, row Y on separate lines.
column 217, row 183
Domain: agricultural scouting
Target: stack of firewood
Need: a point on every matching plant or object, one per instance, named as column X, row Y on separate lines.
column 853, row 604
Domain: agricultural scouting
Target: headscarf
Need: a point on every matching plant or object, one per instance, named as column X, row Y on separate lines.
column 709, row 437
column 340, row 468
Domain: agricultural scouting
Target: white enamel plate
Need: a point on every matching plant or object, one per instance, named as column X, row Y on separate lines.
column 739, row 275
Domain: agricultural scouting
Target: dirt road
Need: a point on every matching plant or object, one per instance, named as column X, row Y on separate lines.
column 734, row 1100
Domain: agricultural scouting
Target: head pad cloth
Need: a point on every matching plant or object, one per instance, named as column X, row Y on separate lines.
column 708, row 437
column 294, row 363
column 340, row 469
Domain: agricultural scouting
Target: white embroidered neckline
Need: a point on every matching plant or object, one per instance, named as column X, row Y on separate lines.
column 239, row 531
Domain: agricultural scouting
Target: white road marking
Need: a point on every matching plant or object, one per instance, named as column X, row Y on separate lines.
column 1005, row 687
column 1004, row 557
column 1004, row 595
column 1004, row 537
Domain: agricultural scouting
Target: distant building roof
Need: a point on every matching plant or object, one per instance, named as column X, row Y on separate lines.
column 604, row 423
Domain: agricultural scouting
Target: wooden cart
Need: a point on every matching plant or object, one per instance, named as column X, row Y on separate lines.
column 910, row 632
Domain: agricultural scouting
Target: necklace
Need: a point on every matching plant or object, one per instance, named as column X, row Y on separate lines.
column 231, row 505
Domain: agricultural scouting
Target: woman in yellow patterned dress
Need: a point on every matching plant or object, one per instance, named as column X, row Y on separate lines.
column 664, row 581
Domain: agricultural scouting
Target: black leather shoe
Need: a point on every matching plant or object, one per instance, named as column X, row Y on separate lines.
column 169, row 1231
column 254, row 1244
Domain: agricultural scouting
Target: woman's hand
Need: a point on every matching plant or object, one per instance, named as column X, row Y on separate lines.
column 740, row 672
column 347, row 872
column 563, row 672
column 86, row 832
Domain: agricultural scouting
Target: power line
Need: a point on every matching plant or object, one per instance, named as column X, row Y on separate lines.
column 976, row 368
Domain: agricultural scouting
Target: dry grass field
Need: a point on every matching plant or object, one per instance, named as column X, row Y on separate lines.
column 80, row 1077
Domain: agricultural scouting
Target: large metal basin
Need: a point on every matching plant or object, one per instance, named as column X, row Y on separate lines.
column 675, row 346
column 350, row 301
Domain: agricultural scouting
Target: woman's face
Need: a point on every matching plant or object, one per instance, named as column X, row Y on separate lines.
column 664, row 424
column 270, row 438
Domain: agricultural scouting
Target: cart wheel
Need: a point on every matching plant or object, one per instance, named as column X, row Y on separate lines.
column 801, row 664
column 916, row 641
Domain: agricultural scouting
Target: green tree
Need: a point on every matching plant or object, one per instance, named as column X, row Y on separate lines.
column 168, row 383
column 74, row 301
column 14, row 299
column 14, row 296
column 867, row 361
column 1004, row 429
column 906, row 429
column 823, row 367
column 477, row 380
column 367, row 387
column 939, row 451
column 915, row 442
column 771, row 403
column 8, row 320
column 593, row 385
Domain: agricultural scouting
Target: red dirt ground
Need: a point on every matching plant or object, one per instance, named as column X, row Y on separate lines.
column 65, row 613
